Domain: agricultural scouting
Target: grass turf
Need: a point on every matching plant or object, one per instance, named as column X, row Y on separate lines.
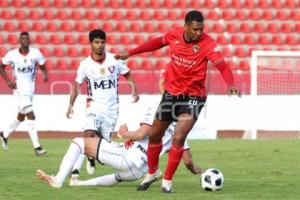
column 260, row 169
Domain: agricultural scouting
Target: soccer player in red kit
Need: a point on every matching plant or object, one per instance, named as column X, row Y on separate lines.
column 185, row 92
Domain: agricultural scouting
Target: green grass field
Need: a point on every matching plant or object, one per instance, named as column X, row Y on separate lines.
column 262, row 169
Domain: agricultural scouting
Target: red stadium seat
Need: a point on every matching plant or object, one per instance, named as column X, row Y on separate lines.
column 117, row 15
column 236, row 4
column 161, row 64
column 290, row 4
column 9, row 26
column 62, row 64
column 297, row 28
column 294, row 15
column 72, row 52
column 244, row 65
column 213, row 15
column 86, row 3
column 103, row 15
column 139, row 39
column 218, row 28
column 58, row 3
column 267, row 15
column 227, row 15
column 286, row 28
column 37, row 26
column 240, row 52
column 172, row 15
column 254, row 15
column 249, row 40
column 12, row 39
column 83, row 39
column 69, row 39
column 226, row 51
column 58, row 52
column 259, row 28
column 2, row 51
column 222, row 40
column 45, row 51
column 133, row 64
column 240, row 15
column 51, row 26
column 245, row 27
column 272, row 28
column 76, row 15
column 276, row 40
column 158, row 15
column 62, row 14
column 6, row 14
column 66, row 26
column 276, row 4
column 249, row 4
column 2, row 40
column 235, row 40
column 232, row 65
column 162, row 27
column 182, row 4
column 127, row 4
column 135, row 27
column 17, row 3
column 131, row 15
column 54, row 39
column 111, row 39
column 49, row 64
column 113, row 3
column 48, row 14
column 195, row 4
column 20, row 14
column 4, row 4
column 222, row 4
column 231, row 27
column 291, row 40
column 75, row 64
column 121, row 27
column 147, row 64
column 124, row 39
column 34, row 15
column 145, row 15
column 263, row 40
column 45, row 3
column 154, row 4
column 93, row 25
column 86, row 51
column 40, row 39
column 80, row 27
column 149, row 27
column 168, row 4
column 72, row 4
column 281, row 15
column 23, row 26
column 141, row 4
column 100, row 4
column 263, row 4
column 158, row 53
column 209, row 4
column 31, row 3
column 107, row 27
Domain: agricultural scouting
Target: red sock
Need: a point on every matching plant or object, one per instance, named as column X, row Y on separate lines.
column 153, row 157
column 175, row 155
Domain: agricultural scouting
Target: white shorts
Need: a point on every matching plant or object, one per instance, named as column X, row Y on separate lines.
column 101, row 122
column 114, row 155
column 25, row 103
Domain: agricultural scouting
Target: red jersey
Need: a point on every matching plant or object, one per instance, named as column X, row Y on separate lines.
column 186, row 73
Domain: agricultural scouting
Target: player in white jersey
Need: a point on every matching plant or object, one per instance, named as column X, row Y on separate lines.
column 23, row 61
column 101, row 71
column 129, row 159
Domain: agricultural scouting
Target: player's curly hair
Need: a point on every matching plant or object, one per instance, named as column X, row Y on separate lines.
column 97, row 33
column 193, row 15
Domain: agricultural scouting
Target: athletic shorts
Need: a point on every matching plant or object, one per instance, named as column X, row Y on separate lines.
column 114, row 155
column 101, row 122
column 25, row 103
column 172, row 106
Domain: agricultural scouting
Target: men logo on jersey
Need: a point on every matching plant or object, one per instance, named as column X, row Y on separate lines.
column 111, row 69
column 196, row 48
column 102, row 71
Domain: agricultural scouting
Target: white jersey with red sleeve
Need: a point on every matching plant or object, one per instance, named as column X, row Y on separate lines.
column 24, row 68
column 102, row 80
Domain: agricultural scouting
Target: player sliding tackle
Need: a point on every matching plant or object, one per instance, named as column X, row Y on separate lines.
column 129, row 160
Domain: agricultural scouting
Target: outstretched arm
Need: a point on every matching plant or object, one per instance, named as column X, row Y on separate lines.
column 138, row 134
column 151, row 45
column 45, row 72
column 131, row 81
column 73, row 96
column 228, row 78
column 188, row 161
column 9, row 82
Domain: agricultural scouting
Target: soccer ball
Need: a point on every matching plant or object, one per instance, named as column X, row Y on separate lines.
column 212, row 180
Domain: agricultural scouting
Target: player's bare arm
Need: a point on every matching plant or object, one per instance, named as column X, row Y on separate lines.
column 134, row 92
column 189, row 164
column 73, row 96
column 45, row 72
column 138, row 134
column 9, row 82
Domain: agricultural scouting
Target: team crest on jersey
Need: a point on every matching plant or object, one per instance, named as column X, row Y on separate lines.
column 102, row 71
column 25, row 60
column 196, row 48
column 111, row 69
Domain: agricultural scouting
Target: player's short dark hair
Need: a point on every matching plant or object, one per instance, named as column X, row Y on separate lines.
column 97, row 33
column 193, row 15
column 24, row 33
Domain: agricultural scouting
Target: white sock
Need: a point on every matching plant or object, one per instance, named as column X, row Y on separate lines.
column 14, row 124
column 76, row 148
column 33, row 133
column 79, row 162
column 106, row 180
